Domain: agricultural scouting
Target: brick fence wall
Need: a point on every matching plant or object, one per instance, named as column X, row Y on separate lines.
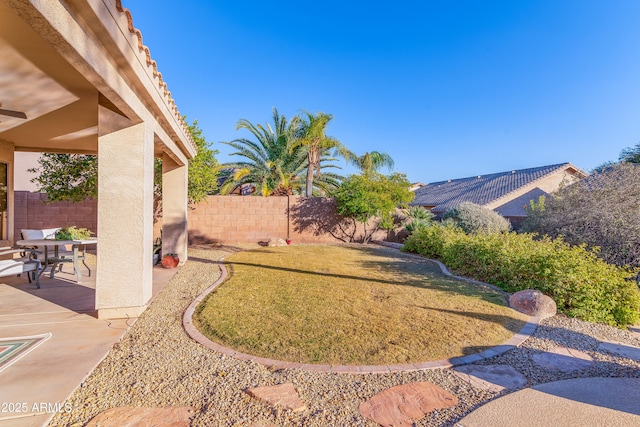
column 31, row 212
column 233, row 219
column 218, row 219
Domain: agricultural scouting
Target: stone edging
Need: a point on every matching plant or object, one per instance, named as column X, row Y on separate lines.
column 194, row 333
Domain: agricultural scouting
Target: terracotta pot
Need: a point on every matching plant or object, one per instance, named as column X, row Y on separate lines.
column 170, row 261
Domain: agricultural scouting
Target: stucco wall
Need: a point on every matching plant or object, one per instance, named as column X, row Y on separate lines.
column 6, row 220
column 22, row 177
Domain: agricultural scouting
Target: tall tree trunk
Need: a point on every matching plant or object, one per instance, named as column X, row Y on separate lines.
column 313, row 161
column 309, row 188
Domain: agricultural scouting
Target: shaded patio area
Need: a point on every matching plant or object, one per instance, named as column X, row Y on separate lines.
column 77, row 79
column 35, row 386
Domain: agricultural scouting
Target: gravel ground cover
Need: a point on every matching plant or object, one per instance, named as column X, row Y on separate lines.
column 157, row 364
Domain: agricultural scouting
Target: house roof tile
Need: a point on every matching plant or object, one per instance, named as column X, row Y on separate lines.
column 482, row 189
column 145, row 54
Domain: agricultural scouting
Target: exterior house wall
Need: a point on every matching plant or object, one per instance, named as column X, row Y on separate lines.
column 22, row 177
column 548, row 184
column 514, row 207
column 6, row 156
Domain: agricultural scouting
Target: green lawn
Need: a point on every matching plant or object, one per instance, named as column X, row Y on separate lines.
column 350, row 305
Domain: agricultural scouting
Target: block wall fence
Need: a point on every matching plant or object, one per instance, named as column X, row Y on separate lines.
column 236, row 219
column 218, row 219
column 31, row 212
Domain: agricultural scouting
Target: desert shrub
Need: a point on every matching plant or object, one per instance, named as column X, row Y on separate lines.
column 581, row 284
column 417, row 218
column 474, row 218
column 603, row 210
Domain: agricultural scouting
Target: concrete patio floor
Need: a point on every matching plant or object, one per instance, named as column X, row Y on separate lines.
column 34, row 387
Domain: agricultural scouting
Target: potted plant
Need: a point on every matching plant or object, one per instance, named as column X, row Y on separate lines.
column 170, row 261
column 73, row 233
column 157, row 250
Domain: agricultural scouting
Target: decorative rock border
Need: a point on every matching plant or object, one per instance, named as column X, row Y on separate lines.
column 195, row 334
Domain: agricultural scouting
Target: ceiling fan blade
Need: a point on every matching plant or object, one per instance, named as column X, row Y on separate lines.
column 11, row 113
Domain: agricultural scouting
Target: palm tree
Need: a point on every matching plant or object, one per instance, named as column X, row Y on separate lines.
column 372, row 161
column 271, row 164
column 311, row 133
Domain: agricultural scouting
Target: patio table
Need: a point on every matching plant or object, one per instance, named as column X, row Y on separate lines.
column 57, row 258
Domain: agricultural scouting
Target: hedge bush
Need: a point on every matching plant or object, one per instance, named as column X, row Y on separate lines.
column 581, row 284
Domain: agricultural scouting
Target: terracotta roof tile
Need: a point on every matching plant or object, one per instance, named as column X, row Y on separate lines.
column 144, row 50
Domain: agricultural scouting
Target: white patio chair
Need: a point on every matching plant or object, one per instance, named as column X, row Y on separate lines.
column 26, row 263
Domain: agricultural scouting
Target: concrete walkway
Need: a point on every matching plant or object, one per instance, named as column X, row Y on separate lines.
column 36, row 385
column 576, row 402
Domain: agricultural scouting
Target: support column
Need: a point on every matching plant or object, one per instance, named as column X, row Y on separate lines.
column 174, row 208
column 125, row 217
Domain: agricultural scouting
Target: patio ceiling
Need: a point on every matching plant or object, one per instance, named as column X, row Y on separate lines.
column 60, row 104
column 75, row 77
column 59, row 83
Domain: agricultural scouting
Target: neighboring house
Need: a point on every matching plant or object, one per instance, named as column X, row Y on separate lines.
column 414, row 186
column 506, row 192
column 243, row 190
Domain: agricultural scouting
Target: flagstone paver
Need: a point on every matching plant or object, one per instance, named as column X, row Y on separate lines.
column 130, row 416
column 284, row 395
column 620, row 349
column 491, row 377
column 563, row 359
column 401, row 405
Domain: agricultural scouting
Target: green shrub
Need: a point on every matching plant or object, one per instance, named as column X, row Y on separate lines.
column 474, row 218
column 73, row 233
column 417, row 218
column 581, row 284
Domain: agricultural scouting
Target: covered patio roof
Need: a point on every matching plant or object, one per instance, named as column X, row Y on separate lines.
column 60, row 64
column 76, row 78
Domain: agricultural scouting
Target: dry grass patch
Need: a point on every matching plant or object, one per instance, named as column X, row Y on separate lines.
column 351, row 305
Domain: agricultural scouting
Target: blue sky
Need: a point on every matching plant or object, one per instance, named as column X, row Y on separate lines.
column 449, row 89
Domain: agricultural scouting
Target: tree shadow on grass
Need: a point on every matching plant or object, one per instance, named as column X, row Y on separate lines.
column 317, row 216
column 416, row 270
column 429, row 279
column 512, row 324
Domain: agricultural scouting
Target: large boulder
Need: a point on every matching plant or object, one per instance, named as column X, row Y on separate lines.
column 533, row 303
column 276, row 242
